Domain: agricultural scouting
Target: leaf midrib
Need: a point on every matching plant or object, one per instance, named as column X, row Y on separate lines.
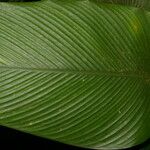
column 136, row 74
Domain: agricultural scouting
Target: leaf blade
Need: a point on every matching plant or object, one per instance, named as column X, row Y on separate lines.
column 71, row 80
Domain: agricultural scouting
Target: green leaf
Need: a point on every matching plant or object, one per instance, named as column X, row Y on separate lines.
column 143, row 4
column 76, row 71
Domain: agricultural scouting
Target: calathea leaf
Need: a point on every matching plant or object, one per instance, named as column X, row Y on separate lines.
column 76, row 71
column 143, row 4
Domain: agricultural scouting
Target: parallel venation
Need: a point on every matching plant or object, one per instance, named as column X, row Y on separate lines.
column 76, row 71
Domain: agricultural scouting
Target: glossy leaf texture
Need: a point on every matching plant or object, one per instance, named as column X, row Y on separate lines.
column 76, row 71
column 143, row 4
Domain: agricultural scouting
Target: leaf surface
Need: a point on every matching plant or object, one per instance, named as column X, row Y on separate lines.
column 76, row 71
column 143, row 4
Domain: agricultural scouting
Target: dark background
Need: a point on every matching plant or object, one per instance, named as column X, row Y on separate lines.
column 18, row 140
